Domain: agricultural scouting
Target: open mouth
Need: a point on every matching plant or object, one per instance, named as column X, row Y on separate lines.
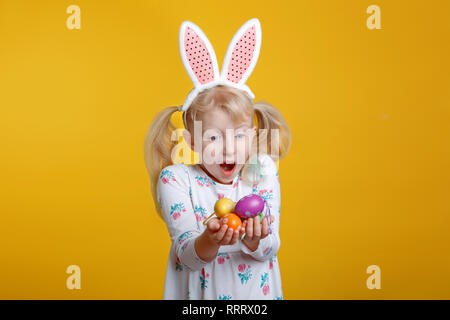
column 227, row 168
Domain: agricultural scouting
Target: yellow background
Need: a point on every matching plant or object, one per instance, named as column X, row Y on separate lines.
column 367, row 181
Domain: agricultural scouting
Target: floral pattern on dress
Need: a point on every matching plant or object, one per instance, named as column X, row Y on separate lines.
column 265, row 283
column 271, row 261
column 244, row 273
column 266, row 194
column 184, row 245
column 166, row 176
column 203, row 279
column 224, row 297
column 237, row 181
column 200, row 213
column 183, row 237
column 222, row 257
column 176, row 209
column 204, row 181
column 263, row 193
column 267, row 251
column 178, row 265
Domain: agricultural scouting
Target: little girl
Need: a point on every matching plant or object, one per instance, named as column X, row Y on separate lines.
column 214, row 261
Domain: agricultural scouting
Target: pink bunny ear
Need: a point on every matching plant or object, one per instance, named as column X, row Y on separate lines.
column 197, row 54
column 242, row 53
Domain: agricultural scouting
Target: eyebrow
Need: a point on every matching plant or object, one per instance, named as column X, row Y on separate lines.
column 237, row 128
column 242, row 124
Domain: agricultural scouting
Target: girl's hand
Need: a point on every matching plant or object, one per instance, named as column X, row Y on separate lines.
column 221, row 235
column 255, row 231
column 215, row 235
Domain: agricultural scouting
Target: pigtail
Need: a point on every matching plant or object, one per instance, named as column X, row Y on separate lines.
column 270, row 118
column 157, row 148
column 274, row 143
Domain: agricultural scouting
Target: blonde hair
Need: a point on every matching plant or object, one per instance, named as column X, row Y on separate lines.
column 158, row 144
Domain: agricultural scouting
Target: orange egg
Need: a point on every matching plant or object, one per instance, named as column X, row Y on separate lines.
column 232, row 221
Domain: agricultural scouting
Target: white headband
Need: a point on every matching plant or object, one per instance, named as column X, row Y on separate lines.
column 200, row 62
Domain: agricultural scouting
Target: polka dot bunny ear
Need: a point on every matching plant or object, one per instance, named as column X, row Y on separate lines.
column 200, row 62
column 197, row 54
column 242, row 54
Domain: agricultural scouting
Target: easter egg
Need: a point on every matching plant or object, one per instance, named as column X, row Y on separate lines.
column 249, row 206
column 232, row 221
column 224, row 206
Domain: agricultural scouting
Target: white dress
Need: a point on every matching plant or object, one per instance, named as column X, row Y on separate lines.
column 187, row 195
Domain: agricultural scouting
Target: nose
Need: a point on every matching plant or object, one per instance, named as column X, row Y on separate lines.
column 229, row 148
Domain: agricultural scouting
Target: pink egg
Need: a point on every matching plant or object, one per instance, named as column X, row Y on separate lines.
column 249, row 206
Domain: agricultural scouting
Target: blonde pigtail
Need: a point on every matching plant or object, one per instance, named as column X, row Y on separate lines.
column 270, row 118
column 157, row 148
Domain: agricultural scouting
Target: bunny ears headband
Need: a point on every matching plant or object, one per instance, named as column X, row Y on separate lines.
column 200, row 62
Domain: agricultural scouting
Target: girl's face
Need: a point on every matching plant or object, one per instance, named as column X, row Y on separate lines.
column 226, row 145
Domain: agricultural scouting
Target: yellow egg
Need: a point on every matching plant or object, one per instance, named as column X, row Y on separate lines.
column 224, row 206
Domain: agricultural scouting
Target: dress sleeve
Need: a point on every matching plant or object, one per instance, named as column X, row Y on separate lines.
column 173, row 192
column 269, row 190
